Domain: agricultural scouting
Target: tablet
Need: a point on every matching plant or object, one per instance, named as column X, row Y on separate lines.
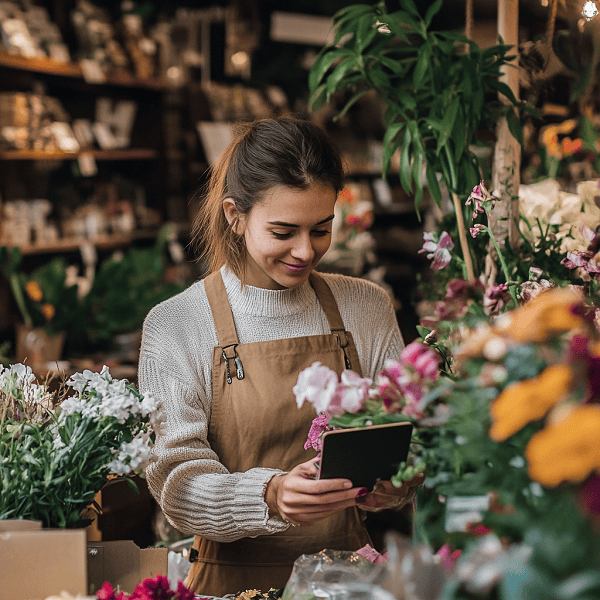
column 365, row 454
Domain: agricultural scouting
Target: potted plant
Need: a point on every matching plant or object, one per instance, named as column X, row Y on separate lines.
column 46, row 302
column 439, row 90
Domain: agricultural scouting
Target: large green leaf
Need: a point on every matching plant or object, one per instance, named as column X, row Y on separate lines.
column 340, row 71
column 323, row 63
column 514, row 125
column 391, row 142
column 421, row 66
column 433, row 184
column 433, row 10
column 405, row 166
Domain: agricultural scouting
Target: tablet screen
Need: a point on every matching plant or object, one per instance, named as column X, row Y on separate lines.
column 365, row 454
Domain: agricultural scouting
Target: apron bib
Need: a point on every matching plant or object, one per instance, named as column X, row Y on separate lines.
column 255, row 422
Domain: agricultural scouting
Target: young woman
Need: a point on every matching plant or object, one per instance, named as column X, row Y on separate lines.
column 224, row 355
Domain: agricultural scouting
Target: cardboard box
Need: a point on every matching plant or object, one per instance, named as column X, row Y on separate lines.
column 36, row 563
column 123, row 564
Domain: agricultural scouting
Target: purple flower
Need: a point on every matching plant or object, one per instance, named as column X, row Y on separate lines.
column 439, row 250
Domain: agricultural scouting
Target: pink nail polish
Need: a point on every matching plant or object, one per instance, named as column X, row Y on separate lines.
column 362, row 492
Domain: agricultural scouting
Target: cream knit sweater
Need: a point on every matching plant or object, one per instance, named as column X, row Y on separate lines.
column 196, row 492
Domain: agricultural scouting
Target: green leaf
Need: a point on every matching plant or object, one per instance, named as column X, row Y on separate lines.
column 421, row 66
column 323, row 63
column 418, row 179
column 390, row 143
column 405, row 156
column 410, row 7
column 351, row 102
column 504, row 89
column 459, row 133
column 394, row 66
column 433, row 184
column 514, row 125
column 585, row 582
column 449, row 120
column 433, row 10
column 379, row 78
column 365, row 33
column 340, row 71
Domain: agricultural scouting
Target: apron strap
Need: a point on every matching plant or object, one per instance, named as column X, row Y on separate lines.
column 219, row 305
column 332, row 312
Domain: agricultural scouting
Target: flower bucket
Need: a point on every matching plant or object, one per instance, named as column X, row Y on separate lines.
column 35, row 346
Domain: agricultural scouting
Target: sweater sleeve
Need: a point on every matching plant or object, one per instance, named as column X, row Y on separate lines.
column 195, row 491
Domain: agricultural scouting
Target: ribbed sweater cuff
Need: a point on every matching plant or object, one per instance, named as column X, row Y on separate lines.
column 251, row 514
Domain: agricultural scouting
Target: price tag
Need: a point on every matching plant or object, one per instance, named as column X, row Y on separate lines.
column 463, row 510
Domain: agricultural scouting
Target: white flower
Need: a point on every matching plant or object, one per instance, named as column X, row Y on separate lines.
column 317, row 385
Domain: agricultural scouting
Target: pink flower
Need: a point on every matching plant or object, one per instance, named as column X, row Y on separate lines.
column 448, row 557
column 478, row 196
column 423, row 359
column 316, row 384
column 495, row 298
column 372, row 555
column 589, row 495
column 399, row 391
column 438, row 251
column 350, row 394
column 317, row 428
column 476, row 230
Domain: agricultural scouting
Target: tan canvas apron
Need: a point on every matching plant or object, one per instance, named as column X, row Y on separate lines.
column 255, row 422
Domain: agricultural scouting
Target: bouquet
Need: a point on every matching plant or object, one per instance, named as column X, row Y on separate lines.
column 396, row 395
column 59, row 448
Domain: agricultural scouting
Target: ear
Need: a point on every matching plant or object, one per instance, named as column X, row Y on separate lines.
column 233, row 216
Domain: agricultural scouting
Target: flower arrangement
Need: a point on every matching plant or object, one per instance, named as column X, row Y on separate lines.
column 524, row 420
column 43, row 296
column 59, row 448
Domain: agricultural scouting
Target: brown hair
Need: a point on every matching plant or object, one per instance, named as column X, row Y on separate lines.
column 266, row 153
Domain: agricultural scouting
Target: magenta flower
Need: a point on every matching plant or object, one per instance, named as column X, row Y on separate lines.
column 372, row 555
column 424, row 359
column 478, row 196
column 316, row 384
column 317, row 428
column 448, row 557
column 439, row 250
column 400, row 387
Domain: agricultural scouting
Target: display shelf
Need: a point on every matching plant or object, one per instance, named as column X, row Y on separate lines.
column 74, row 70
column 125, row 154
column 101, row 242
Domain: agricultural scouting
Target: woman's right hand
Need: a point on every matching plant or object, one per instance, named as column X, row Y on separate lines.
column 300, row 499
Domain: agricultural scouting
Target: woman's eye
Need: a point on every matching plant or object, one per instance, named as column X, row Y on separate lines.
column 321, row 232
column 281, row 236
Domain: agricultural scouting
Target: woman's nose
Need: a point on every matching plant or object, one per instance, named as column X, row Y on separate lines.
column 303, row 248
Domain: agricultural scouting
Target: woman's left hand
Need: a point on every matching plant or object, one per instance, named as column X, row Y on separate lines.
column 386, row 495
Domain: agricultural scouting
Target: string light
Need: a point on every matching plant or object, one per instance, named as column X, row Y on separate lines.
column 589, row 10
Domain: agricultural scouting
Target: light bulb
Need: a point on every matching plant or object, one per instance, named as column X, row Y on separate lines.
column 589, row 10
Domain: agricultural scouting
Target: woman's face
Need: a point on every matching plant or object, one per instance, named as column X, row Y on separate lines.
column 286, row 234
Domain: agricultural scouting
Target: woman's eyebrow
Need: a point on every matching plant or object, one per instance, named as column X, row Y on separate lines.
column 284, row 224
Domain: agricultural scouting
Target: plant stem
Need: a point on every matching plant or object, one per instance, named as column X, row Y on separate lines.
column 511, row 288
column 15, row 285
column 462, row 236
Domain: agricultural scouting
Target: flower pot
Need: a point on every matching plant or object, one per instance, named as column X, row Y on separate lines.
column 35, row 346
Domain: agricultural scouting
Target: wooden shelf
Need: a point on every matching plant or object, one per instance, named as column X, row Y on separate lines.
column 125, row 154
column 53, row 67
column 102, row 242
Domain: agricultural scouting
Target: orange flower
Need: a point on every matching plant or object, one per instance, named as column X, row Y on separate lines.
column 567, row 450
column 542, row 318
column 48, row 311
column 528, row 400
column 34, row 291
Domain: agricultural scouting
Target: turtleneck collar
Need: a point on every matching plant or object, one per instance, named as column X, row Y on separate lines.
column 263, row 302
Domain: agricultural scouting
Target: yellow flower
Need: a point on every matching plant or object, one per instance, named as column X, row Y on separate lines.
column 542, row 318
column 48, row 311
column 528, row 400
column 567, row 450
column 34, row 291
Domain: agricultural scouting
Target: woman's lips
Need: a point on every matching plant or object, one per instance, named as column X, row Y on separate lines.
column 296, row 268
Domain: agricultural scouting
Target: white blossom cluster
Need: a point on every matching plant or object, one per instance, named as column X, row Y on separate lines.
column 101, row 396
column 98, row 396
column 18, row 381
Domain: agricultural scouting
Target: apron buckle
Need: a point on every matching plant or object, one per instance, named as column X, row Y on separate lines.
column 239, row 368
column 344, row 345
